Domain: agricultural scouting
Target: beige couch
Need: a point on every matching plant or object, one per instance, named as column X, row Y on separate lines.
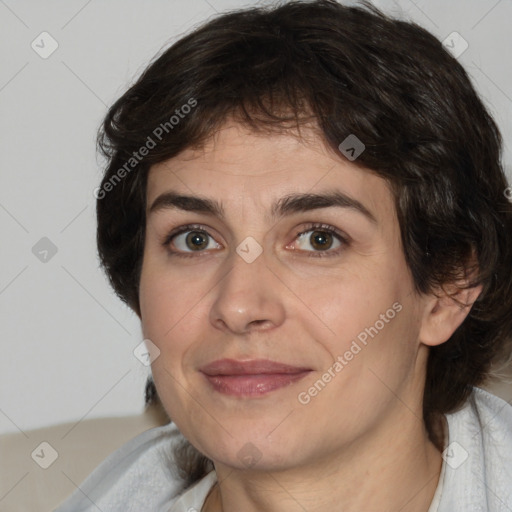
column 26, row 487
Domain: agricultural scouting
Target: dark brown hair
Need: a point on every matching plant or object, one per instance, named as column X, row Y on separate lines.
column 349, row 70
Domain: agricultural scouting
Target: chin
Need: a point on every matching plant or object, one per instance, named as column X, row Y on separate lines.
column 254, row 451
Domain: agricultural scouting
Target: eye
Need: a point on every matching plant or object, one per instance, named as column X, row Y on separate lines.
column 191, row 239
column 188, row 240
column 322, row 238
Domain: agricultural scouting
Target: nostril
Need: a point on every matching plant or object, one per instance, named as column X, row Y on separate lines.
column 258, row 322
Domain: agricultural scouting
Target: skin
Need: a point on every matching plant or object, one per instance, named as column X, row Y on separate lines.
column 360, row 443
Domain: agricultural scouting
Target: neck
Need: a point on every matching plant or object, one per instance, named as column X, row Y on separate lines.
column 399, row 471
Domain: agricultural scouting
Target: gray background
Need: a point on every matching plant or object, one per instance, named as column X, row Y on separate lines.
column 67, row 340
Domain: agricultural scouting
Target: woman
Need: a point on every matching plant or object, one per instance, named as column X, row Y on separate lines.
column 305, row 207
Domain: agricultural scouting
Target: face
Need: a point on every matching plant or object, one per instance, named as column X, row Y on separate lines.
column 293, row 256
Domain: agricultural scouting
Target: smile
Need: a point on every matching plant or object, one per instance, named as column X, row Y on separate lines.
column 251, row 378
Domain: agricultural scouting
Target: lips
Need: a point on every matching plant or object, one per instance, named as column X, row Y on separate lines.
column 251, row 378
column 252, row 367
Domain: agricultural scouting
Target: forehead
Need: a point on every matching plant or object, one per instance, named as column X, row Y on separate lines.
column 241, row 168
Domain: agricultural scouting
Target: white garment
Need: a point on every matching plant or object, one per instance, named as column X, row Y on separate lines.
column 476, row 474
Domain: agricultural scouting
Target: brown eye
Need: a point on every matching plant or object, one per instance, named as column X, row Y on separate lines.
column 196, row 240
column 324, row 240
column 190, row 239
column 318, row 239
column 321, row 240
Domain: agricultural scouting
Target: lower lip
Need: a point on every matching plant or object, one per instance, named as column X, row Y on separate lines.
column 253, row 385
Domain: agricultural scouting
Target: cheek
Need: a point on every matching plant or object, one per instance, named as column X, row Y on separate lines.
column 167, row 306
column 345, row 305
column 169, row 318
column 368, row 323
column 369, row 361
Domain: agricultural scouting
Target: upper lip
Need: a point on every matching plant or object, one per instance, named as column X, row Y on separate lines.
column 249, row 367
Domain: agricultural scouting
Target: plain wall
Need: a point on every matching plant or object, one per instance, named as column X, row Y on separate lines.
column 67, row 339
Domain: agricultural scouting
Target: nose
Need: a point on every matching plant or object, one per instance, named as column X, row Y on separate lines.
column 248, row 297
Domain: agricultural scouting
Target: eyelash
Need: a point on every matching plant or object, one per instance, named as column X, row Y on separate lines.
column 325, row 228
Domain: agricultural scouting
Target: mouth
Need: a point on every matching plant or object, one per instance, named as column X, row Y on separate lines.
column 251, row 378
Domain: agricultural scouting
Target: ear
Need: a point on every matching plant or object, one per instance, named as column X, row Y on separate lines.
column 445, row 310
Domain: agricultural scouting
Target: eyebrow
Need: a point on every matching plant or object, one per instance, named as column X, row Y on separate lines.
column 287, row 205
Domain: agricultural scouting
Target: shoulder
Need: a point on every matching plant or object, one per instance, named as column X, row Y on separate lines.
column 487, row 419
column 137, row 476
column 478, row 455
column 495, row 410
